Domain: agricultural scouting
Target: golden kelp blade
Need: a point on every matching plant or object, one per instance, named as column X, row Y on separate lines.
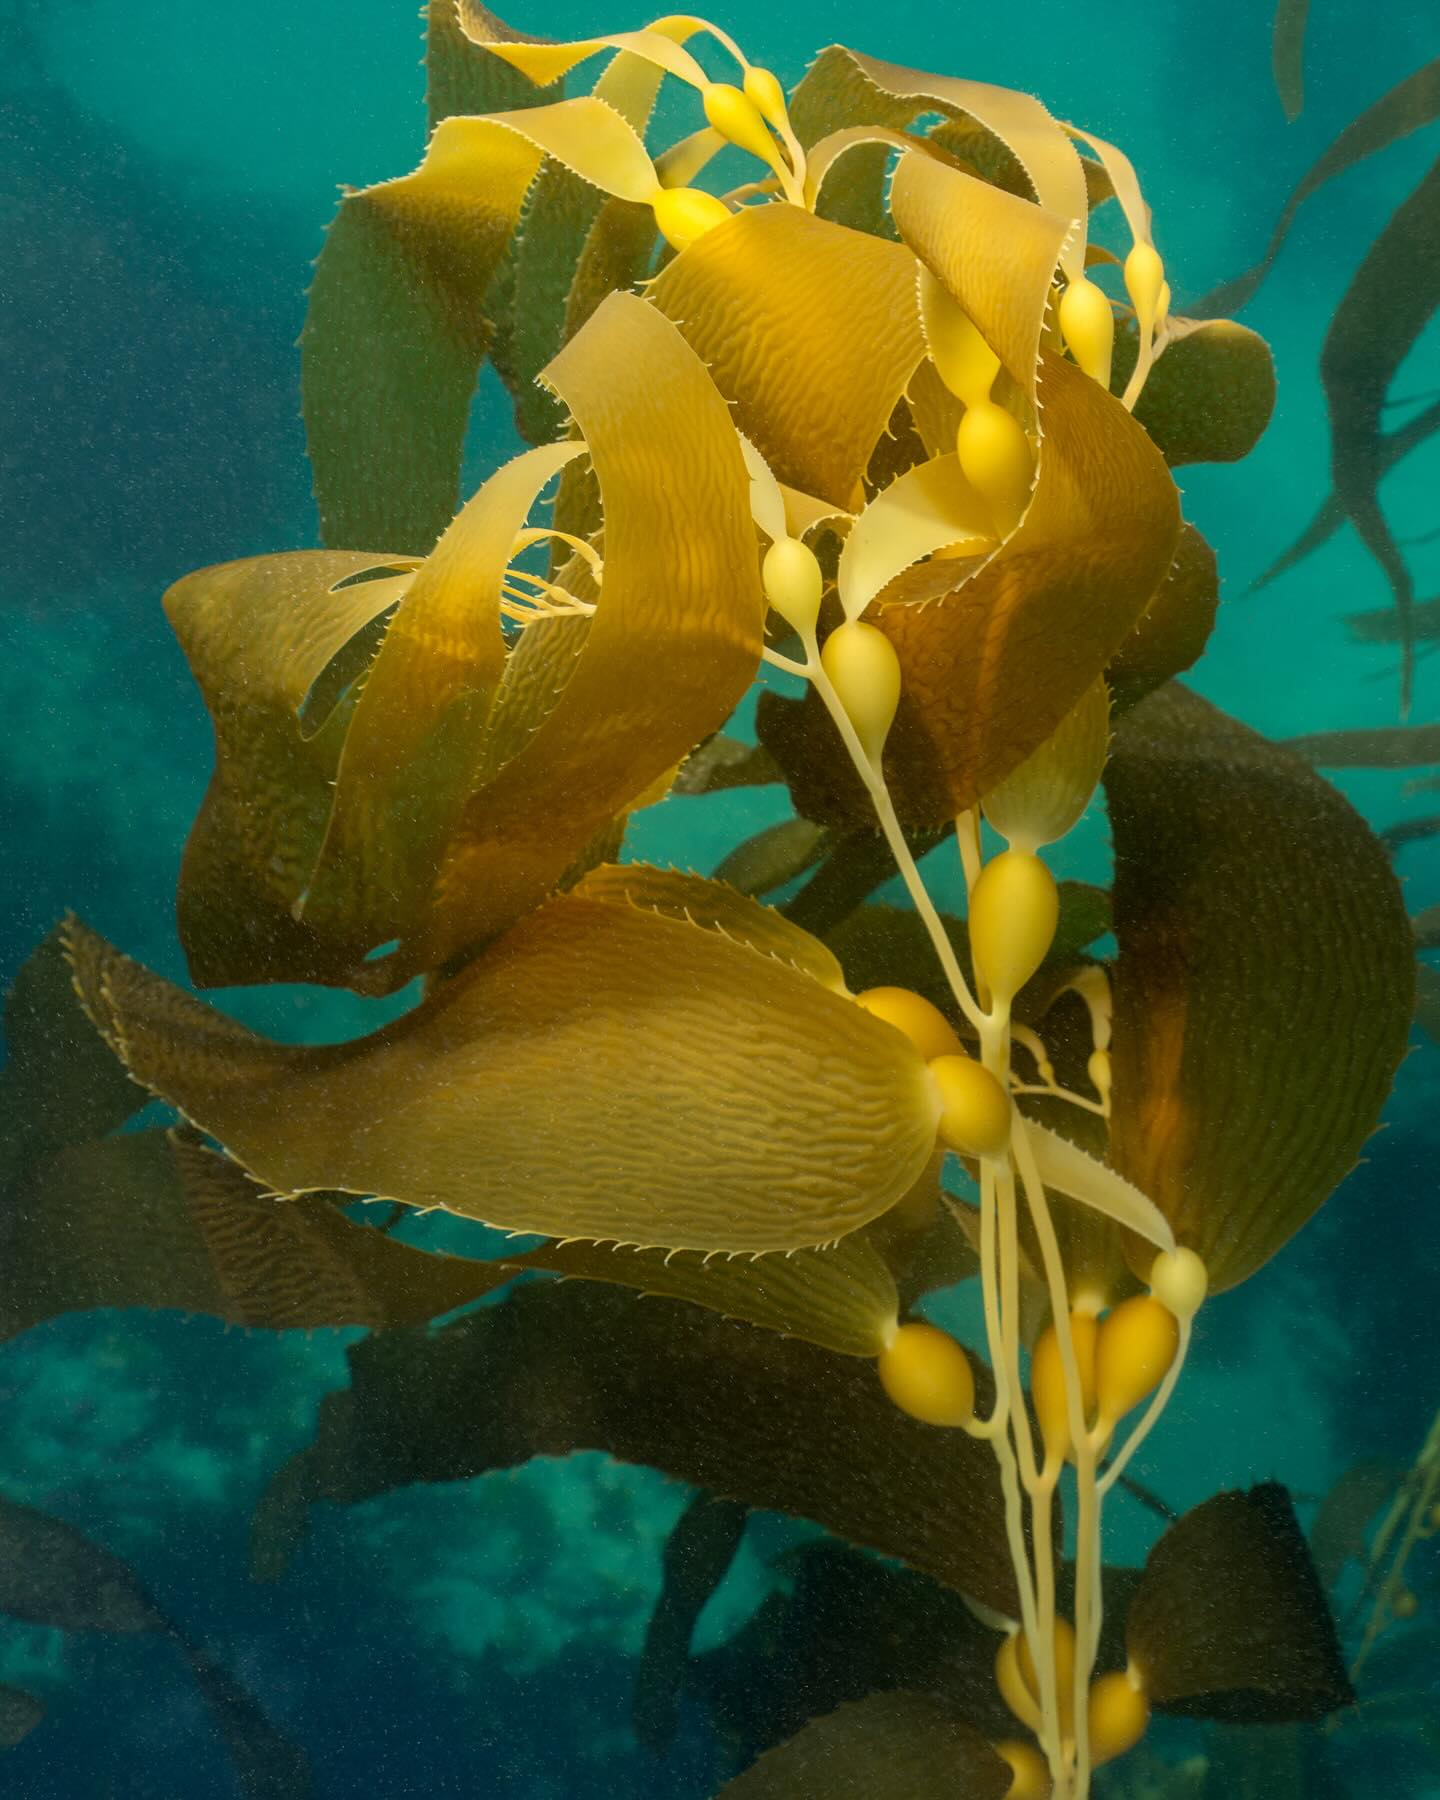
column 715, row 907
column 397, row 325
column 673, row 644
column 992, row 252
column 661, row 44
column 842, row 1299
column 895, row 1746
column 845, row 88
column 258, row 635
column 460, row 77
column 992, row 667
column 1264, row 986
column 1209, row 397
column 411, row 752
column 809, row 328
column 599, row 1072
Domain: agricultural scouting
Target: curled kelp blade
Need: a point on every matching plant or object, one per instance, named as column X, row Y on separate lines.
column 844, row 87
column 1243, row 1086
column 1174, row 628
column 1392, row 297
column 461, row 77
column 673, row 644
column 413, row 746
column 20, row 1713
column 698, row 1554
column 990, row 668
column 897, row 1746
column 600, row 1072
column 59, row 1085
column 259, row 636
column 396, row 326
column 1229, row 1620
column 1409, row 105
column 754, row 1417
column 814, row 363
column 158, row 1221
column 1209, row 396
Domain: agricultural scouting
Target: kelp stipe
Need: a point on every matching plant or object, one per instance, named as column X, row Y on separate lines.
column 889, row 432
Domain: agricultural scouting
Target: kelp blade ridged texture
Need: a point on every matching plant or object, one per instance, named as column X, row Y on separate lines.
column 747, row 1414
column 1264, row 985
column 990, row 669
column 758, row 1111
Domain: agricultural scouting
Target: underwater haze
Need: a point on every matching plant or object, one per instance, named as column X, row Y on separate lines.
column 520, row 1623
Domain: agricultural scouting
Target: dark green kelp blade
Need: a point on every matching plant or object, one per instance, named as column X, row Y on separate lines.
column 842, row 1626
column 53, row 1575
column 1229, row 1620
column 1210, row 395
column 698, row 1554
column 753, row 1417
column 61, row 1083
column 1265, row 982
column 20, row 1713
column 896, row 1746
column 1382, row 747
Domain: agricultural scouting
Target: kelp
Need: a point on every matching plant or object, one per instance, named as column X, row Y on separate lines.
column 883, row 434
column 1215, row 1021
column 1229, row 1619
column 698, row 1554
column 1383, row 747
column 815, row 1436
column 54, row 1576
column 1287, row 55
column 905, row 1746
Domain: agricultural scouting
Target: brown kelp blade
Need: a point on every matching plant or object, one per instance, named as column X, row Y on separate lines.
column 1406, row 107
column 774, row 857
column 992, row 667
column 460, row 77
column 1341, row 1526
column 672, row 647
column 20, row 1713
column 1244, row 1088
column 753, row 1417
column 842, row 321
column 897, row 1746
column 60, row 1084
column 1209, row 396
column 260, row 636
column 1229, row 1620
column 1393, row 295
column 600, row 1072
column 698, row 1554
column 1384, row 627
column 1174, row 628
column 155, row 1220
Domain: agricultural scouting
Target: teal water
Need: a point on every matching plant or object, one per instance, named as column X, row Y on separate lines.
column 167, row 179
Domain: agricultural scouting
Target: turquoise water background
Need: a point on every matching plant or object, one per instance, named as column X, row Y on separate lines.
column 167, row 176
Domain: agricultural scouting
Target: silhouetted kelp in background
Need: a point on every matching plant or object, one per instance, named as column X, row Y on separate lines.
column 152, row 422
column 406, row 785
